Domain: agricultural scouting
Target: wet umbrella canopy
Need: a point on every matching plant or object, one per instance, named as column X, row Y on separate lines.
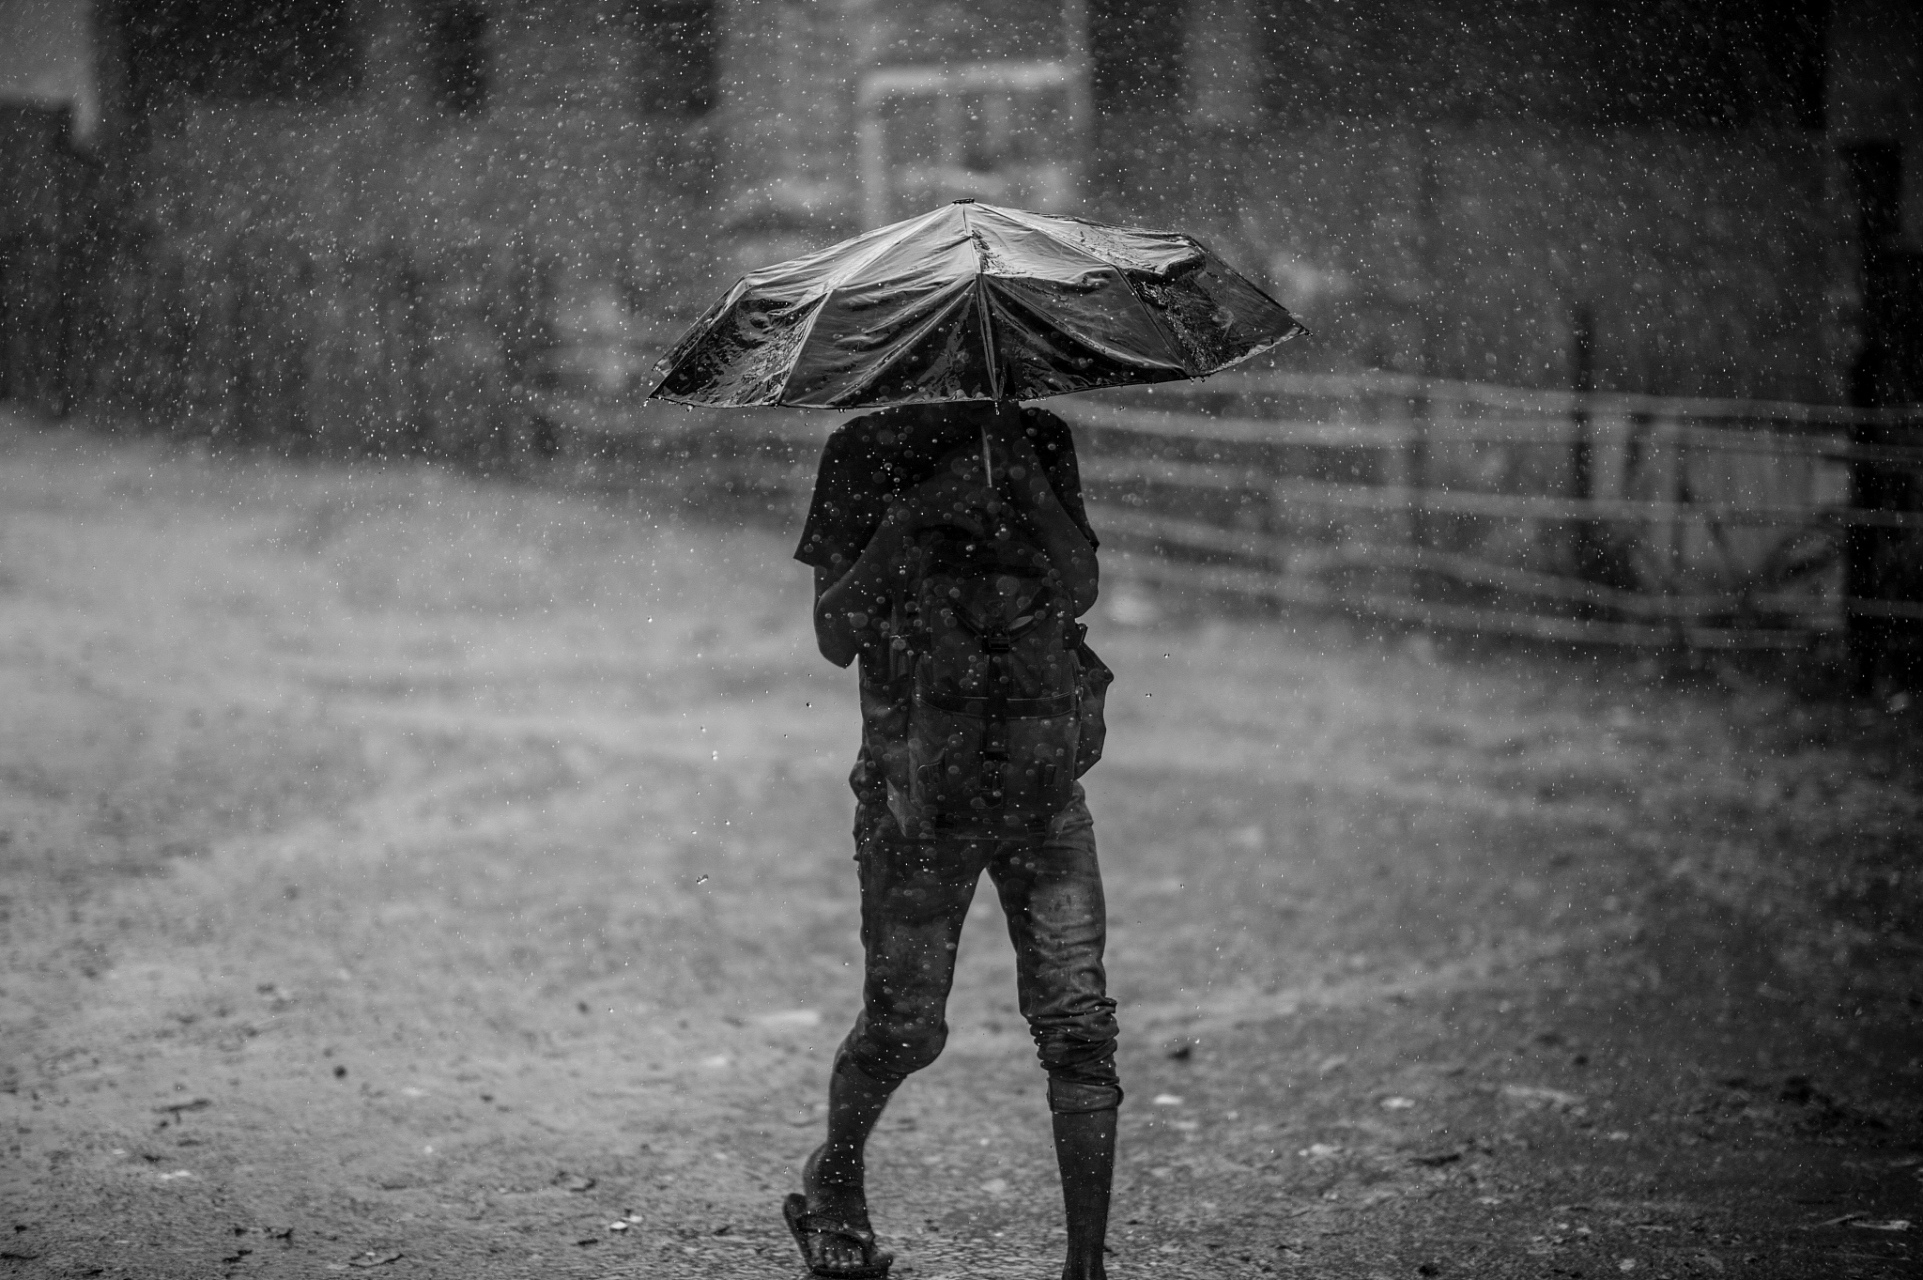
column 973, row 302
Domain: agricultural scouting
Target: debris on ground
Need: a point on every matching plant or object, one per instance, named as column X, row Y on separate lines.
column 192, row 1104
column 375, row 1258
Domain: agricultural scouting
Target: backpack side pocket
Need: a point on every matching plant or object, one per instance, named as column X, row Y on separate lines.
column 1093, row 679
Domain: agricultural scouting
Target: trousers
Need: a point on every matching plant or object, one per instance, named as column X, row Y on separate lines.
column 915, row 893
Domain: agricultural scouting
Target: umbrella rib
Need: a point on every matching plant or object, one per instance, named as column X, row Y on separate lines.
column 1161, row 331
column 882, row 245
column 821, row 305
column 1295, row 329
column 954, row 298
column 982, row 312
column 1168, row 340
column 990, row 352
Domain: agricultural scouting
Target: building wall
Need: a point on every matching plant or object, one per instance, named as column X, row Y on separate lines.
column 1452, row 219
column 45, row 57
column 47, row 249
column 362, row 260
column 1875, row 91
column 793, row 74
column 1708, row 265
column 368, row 261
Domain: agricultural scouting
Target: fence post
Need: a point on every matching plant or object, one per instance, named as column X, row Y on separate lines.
column 1586, row 541
column 1400, row 456
column 297, row 318
column 1659, row 445
column 1680, row 495
column 242, row 416
column 66, row 287
column 1428, row 197
column 190, row 324
column 1415, row 468
column 423, row 419
column 1882, row 565
column 1393, row 412
column 7, row 375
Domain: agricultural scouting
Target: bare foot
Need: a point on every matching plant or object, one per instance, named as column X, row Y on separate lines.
column 839, row 1201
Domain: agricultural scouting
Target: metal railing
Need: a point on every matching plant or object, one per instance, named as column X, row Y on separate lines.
column 1597, row 518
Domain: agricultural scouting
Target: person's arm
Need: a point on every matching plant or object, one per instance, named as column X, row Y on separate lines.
column 1023, row 479
column 851, row 603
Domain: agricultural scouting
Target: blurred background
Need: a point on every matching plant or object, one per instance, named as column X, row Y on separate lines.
column 423, row 834
column 1612, row 302
column 497, row 194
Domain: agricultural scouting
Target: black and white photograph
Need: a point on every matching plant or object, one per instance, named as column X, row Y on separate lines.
column 961, row 639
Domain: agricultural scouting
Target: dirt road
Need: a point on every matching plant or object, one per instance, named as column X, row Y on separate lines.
column 406, row 873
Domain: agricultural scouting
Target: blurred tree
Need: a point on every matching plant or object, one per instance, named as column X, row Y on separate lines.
column 1606, row 64
column 1136, row 50
column 237, row 50
column 457, row 53
column 679, row 44
column 1709, row 64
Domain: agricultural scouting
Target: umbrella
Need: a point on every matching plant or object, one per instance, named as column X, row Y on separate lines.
column 973, row 302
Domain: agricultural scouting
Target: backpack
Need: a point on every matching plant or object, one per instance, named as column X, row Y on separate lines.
column 992, row 702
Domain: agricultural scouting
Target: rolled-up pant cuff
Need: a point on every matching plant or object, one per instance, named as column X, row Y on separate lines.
column 1073, row 1097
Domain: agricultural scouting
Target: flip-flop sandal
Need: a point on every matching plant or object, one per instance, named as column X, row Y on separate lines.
column 810, row 1230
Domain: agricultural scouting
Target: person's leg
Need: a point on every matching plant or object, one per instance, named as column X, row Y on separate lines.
column 914, row 897
column 1085, row 1156
column 855, row 1102
column 832, row 1180
column 1052, row 896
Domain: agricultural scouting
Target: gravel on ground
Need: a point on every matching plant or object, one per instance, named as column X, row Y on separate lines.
column 410, row 873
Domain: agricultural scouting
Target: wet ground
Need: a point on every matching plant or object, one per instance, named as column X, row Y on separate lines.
column 405, row 873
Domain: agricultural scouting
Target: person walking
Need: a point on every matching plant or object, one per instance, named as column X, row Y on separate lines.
column 892, row 485
column 952, row 555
